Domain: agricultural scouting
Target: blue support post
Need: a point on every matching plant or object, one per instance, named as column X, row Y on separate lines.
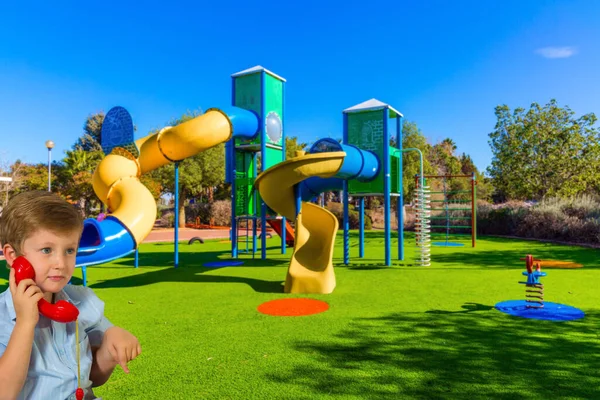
column 298, row 196
column 345, row 200
column 361, row 216
column 137, row 258
column 254, row 204
column 233, row 232
column 400, row 201
column 346, row 226
column 283, row 157
column 176, row 214
column 263, row 155
column 386, row 187
column 84, row 275
column 234, row 242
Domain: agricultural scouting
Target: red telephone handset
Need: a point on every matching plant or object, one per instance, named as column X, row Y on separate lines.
column 62, row 311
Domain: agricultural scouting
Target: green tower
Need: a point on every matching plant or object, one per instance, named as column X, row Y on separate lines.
column 373, row 125
column 261, row 91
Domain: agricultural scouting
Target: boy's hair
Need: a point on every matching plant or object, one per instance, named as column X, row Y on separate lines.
column 28, row 212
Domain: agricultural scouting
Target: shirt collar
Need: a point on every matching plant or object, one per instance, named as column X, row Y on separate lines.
column 10, row 305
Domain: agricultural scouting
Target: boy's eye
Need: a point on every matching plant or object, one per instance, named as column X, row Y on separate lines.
column 70, row 251
column 46, row 250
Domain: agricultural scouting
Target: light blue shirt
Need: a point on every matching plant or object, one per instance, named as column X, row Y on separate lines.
column 52, row 370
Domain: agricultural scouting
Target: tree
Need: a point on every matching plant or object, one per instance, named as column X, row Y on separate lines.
column 467, row 166
column 544, row 151
column 92, row 128
column 16, row 173
column 198, row 175
column 443, row 160
column 291, row 146
column 412, row 137
column 75, row 177
column 32, row 176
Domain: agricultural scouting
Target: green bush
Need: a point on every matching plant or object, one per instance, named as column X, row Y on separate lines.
column 502, row 219
column 167, row 220
column 337, row 209
column 219, row 211
column 574, row 220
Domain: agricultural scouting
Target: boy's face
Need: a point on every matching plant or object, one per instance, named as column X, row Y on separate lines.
column 53, row 258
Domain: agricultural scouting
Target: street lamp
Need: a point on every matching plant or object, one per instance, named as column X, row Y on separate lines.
column 49, row 146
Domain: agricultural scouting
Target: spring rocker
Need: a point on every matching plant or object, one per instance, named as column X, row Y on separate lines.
column 534, row 307
column 534, row 289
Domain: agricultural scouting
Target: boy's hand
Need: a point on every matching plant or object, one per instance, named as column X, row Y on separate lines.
column 26, row 296
column 119, row 346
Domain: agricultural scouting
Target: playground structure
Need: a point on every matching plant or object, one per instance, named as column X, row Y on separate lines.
column 465, row 199
column 116, row 179
column 364, row 164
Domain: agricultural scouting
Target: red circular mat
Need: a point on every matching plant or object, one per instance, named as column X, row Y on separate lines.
column 293, row 307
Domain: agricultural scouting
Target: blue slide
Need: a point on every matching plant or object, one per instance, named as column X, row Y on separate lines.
column 361, row 165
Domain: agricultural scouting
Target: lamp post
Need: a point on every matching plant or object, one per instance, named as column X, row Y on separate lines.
column 49, row 146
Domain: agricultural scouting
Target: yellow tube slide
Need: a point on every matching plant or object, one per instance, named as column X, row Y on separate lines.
column 116, row 179
column 311, row 265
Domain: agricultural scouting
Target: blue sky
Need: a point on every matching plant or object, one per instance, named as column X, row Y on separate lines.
column 444, row 65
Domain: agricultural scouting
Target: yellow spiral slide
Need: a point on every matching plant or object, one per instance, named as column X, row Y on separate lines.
column 311, row 266
column 116, row 180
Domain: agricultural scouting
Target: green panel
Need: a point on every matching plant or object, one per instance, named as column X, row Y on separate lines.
column 395, row 170
column 365, row 130
column 274, row 101
column 244, row 179
column 274, row 156
column 247, row 96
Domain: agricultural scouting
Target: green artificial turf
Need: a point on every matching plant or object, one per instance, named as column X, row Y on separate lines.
column 391, row 332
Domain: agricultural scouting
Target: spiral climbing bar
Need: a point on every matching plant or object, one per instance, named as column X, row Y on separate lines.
column 423, row 226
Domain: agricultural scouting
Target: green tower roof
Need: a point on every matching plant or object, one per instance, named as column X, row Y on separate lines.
column 371, row 105
column 256, row 69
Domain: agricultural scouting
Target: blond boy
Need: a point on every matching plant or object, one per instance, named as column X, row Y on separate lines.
column 38, row 355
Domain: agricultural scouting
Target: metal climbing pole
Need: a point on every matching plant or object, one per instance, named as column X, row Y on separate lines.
column 464, row 222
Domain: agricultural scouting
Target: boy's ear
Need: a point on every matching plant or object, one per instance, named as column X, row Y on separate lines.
column 9, row 253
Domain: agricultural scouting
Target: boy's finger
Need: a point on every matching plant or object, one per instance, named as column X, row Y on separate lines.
column 24, row 284
column 37, row 297
column 32, row 290
column 122, row 360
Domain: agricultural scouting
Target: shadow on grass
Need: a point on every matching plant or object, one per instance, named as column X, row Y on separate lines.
column 490, row 252
column 477, row 353
column 510, row 258
column 190, row 269
column 466, row 308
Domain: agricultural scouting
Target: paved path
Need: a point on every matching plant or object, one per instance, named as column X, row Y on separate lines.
column 168, row 235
